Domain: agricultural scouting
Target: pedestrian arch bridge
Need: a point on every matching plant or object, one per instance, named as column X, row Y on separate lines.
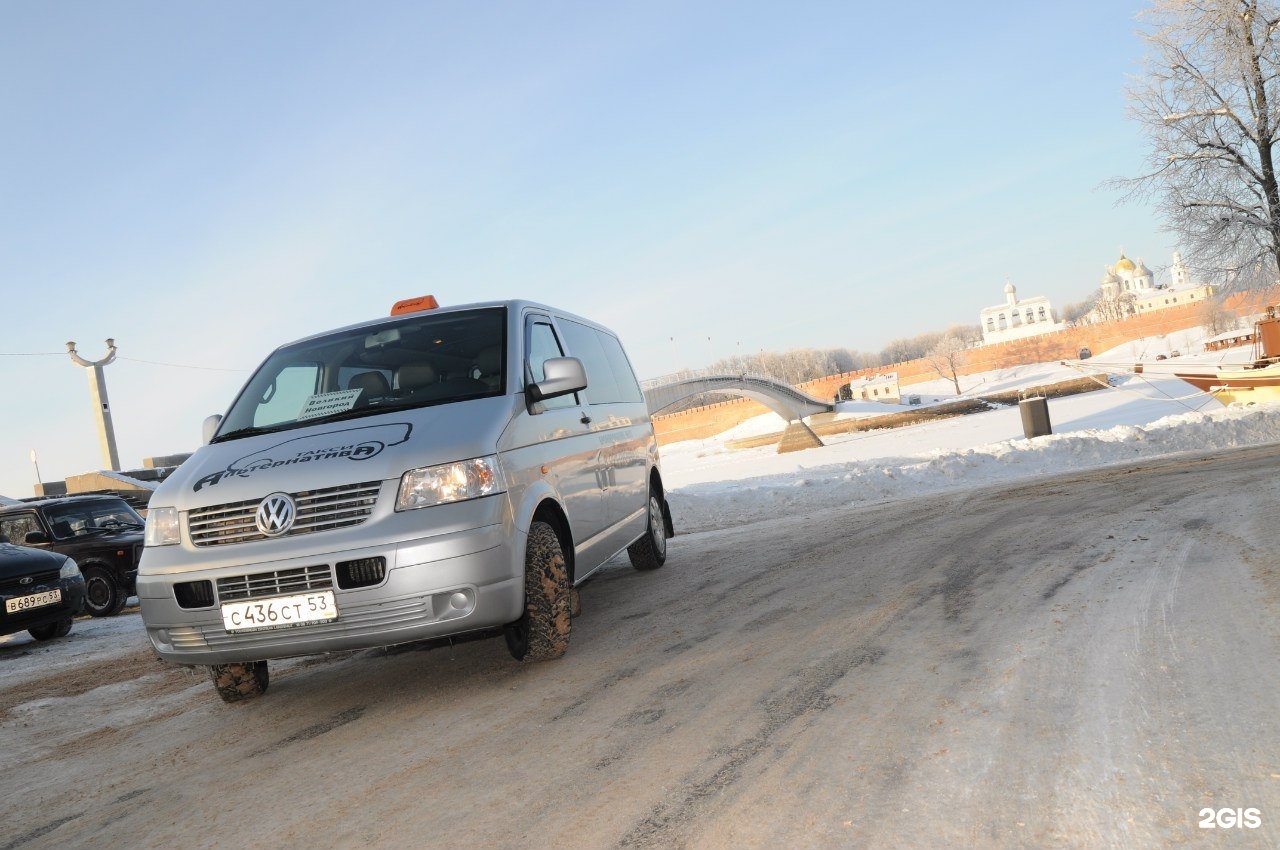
column 785, row 400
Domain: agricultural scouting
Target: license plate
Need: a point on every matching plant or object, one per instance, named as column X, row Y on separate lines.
column 35, row 600
column 279, row 612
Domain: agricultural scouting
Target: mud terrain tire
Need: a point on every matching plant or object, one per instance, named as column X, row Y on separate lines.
column 542, row 633
column 240, row 681
column 49, row 631
column 650, row 551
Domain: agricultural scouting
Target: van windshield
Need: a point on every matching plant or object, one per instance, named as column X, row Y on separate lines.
column 419, row 361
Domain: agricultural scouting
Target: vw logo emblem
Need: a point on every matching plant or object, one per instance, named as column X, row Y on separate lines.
column 276, row 514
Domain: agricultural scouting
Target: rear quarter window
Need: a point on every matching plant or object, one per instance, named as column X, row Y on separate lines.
column 623, row 374
column 585, row 344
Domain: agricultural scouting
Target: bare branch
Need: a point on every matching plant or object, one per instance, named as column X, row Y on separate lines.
column 1208, row 101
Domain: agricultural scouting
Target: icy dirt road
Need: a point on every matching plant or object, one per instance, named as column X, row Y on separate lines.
column 1086, row 661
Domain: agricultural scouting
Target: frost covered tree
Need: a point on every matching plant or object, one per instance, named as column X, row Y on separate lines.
column 910, row 348
column 948, row 355
column 1117, row 308
column 1215, row 318
column 1209, row 102
column 1073, row 314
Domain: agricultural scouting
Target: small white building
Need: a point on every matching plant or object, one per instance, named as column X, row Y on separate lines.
column 1017, row 318
column 876, row 388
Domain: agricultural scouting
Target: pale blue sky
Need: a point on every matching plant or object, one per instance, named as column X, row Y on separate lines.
column 204, row 181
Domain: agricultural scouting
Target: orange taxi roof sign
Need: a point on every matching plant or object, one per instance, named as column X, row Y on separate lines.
column 413, row 305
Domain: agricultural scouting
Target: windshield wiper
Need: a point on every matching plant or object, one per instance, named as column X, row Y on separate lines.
column 353, row 413
column 249, row 431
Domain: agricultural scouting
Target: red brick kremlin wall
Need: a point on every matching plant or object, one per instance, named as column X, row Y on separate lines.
column 702, row 422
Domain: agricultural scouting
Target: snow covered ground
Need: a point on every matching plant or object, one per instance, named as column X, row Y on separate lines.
column 713, row 486
column 926, row 692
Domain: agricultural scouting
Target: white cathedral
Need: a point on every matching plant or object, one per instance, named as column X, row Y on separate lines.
column 1128, row 289
column 1126, row 276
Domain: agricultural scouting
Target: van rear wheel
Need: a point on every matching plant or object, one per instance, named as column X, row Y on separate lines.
column 542, row 632
column 650, row 551
column 240, row 681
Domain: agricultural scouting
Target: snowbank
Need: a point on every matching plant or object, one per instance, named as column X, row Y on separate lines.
column 716, row 504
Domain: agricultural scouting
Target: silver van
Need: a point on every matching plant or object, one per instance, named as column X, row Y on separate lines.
column 437, row 472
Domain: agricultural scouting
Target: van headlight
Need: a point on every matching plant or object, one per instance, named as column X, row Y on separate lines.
column 162, row 527
column 69, row 570
column 449, row 482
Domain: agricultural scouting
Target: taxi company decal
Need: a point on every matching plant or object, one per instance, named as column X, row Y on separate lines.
column 345, row 444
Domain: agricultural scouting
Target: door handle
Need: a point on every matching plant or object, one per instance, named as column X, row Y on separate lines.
column 585, row 420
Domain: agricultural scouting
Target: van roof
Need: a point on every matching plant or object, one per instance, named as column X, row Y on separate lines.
column 515, row 305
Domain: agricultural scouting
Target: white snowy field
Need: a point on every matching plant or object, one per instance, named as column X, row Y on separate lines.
column 712, row 486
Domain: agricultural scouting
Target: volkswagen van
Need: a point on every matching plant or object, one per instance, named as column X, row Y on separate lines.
column 437, row 472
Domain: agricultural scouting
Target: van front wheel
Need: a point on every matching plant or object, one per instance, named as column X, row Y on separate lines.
column 542, row 633
column 650, row 551
column 241, row 681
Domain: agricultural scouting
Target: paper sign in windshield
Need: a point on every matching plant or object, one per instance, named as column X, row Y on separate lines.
column 323, row 404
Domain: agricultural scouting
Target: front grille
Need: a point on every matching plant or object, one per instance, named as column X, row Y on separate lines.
column 318, row 510
column 36, row 579
column 275, row 583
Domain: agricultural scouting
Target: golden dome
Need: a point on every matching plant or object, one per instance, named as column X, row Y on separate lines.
column 1125, row 264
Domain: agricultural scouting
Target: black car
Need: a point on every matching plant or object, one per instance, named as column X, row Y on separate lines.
column 102, row 533
column 41, row 591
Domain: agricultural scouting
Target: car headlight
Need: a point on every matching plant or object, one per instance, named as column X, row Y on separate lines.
column 449, row 482
column 69, row 570
column 162, row 527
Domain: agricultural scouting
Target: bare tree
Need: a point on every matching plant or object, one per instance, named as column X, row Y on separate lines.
column 1122, row 306
column 1073, row 313
column 1215, row 318
column 948, row 355
column 1209, row 101
column 910, row 348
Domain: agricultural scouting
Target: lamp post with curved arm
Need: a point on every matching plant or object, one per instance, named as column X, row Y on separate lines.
column 101, row 407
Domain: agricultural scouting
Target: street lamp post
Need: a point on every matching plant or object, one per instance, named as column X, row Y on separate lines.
column 101, row 407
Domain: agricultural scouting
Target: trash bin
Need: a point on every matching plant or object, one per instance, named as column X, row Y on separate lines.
column 1035, row 417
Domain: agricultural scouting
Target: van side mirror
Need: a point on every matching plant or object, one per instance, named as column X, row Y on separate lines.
column 35, row 537
column 211, row 424
column 564, row 375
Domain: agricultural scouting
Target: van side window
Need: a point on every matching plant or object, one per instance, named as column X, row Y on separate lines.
column 543, row 345
column 584, row 343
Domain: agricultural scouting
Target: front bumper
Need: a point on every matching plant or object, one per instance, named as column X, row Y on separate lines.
column 438, row 585
column 72, row 604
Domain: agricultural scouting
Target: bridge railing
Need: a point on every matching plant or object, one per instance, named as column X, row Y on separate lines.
column 695, row 374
